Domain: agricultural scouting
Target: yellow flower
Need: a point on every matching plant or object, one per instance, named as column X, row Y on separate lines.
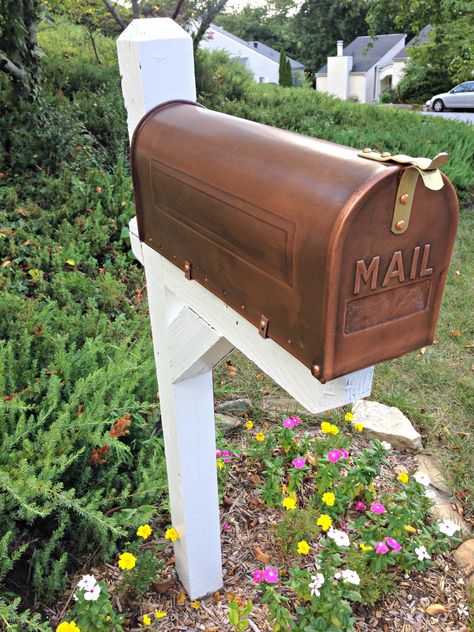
column 303, row 547
column 324, row 521
column 329, row 498
column 220, row 464
column 366, row 547
column 289, row 503
column 172, row 534
column 349, row 417
column 403, row 477
column 327, row 428
column 195, row 604
column 259, row 436
column 65, row 626
column 358, row 427
column 180, row 599
column 410, row 529
column 144, row 531
column 249, row 424
column 127, row 561
column 146, row 619
column 159, row 614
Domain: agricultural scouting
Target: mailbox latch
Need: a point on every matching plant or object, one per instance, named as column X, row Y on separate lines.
column 263, row 326
column 188, row 269
column 424, row 167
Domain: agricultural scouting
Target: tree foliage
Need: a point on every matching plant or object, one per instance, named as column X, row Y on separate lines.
column 284, row 72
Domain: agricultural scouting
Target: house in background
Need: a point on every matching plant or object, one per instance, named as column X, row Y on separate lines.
column 368, row 66
column 262, row 61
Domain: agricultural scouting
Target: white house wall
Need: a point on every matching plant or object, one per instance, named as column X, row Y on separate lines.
column 369, row 85
column 322, row 84
column 357, row 87
column 338, row 76
column 264, row 70
column 398, row 72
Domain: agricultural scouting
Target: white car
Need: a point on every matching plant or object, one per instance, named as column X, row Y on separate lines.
column 460, row 98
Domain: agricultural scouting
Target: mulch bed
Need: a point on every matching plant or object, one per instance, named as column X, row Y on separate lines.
column 250, row 527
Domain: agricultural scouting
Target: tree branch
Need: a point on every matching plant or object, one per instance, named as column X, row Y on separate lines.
column 177, row 9
column 206, row 21
column 115, row 14
column 17, row 73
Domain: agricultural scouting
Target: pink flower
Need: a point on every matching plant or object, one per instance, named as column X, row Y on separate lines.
column 377, row 508
column 381, row 548
column 299, row 462
column 218, row 452
column 225, row 526
column 344, row 453
column 296, row 420
column 359, row 506
column 288, row 423
column 334, row 456
column 271, row 575
column 225, row 453
column 393, row 544
column 258, row 577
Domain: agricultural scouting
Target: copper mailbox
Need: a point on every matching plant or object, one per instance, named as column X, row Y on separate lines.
column 338, row 255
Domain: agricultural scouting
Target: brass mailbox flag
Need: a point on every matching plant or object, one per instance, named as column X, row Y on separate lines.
column 428, row 169
column 301, row 237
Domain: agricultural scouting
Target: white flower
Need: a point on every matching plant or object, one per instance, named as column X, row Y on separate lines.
column 386, row 445
column 422, row 553
column 463, row 610
column 429, row 493
column 352, row 577
column 422, row 478
column 87, row 582
column 448, row 527
column 317, row 582
column 93, row 594
column 340, row 537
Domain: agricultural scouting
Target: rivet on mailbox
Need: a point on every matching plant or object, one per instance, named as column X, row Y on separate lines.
column 312, row 234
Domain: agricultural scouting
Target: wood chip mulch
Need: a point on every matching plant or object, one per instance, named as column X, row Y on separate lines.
column 247, row 532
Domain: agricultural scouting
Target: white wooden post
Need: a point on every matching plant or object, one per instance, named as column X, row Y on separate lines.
column 157, row 64
column 193, row 330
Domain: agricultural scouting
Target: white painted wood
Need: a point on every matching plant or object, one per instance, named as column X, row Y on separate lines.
column 286, row 370
column 156, row 64
column 187, row 413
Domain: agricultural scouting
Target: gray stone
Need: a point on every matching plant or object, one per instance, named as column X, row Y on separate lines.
column 227, row 422
column 443, row 509
column 234, row 405
column 464, row 558
column 432, row 466
column 283, row 405
column 386, row 424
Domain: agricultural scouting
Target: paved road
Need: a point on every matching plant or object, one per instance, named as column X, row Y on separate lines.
column 467, row 117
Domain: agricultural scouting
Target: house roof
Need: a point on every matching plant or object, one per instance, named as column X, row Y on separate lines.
column 263, row 49
column 273, row 54
column 366, row 51
column 421, row 38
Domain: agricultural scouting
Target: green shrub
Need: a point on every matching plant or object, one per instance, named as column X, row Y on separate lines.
column 422, row 81
column 386, row 97
column 220, row 79
column 358, row 125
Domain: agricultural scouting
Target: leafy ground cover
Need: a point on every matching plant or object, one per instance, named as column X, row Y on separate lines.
column 81, row 455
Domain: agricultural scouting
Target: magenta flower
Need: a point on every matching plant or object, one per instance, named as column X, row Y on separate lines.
column 359, row 506
column 271, row 575
column 393, row 544
column 225, row 526
column 296, row 420
column 225, row 453
column 334, row 456
column 377, row 508
column 218, row 452
column 258, row 577
column 344, row 453
column 381, row 548
column 288, row 423
column 299, row 462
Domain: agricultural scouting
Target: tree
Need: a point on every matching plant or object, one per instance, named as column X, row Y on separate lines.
column 284, row 73
column 19, row 51
column 320, row 23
